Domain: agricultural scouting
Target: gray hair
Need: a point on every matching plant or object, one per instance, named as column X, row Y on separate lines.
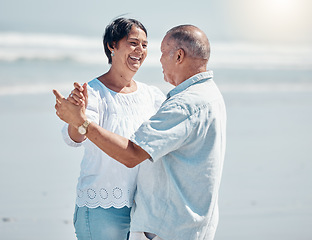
column 186, row 39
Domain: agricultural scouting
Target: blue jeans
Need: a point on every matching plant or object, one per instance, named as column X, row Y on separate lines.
column 102, row 224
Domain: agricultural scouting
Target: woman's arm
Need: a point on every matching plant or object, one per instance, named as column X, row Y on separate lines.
column 75, row 135
column 78, row 95
column 116, row 146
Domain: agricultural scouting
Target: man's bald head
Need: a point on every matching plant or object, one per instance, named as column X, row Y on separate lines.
column 191, row 39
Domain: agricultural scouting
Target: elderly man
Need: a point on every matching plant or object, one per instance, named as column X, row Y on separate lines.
column 181, row 147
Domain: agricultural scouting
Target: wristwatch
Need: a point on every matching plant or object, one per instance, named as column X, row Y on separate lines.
column 84, row 127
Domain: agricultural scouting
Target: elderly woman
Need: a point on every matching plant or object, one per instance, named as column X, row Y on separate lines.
column 119, row 104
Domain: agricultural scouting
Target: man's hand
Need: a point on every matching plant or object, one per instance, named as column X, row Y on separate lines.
column 69, row 112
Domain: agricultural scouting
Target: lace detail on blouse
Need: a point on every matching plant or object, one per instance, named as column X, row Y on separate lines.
column 105, row 198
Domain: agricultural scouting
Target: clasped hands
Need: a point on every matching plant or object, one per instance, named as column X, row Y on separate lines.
column 72, row 109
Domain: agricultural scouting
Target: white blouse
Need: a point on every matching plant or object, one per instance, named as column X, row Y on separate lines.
column 103, row 181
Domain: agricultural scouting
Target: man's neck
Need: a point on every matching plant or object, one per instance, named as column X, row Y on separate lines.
column 190, row 68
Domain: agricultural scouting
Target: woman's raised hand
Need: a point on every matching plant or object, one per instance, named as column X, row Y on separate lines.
column 79, row 94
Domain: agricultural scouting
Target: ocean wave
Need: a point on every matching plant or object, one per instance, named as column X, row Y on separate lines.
column 266, row 87
column 33, row 89
column 53, row 47
column 261, row 56
column 65, row 88
column 89, row 50
column 48, row 47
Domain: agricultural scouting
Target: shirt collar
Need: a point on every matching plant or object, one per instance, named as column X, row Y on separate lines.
column 204, row 76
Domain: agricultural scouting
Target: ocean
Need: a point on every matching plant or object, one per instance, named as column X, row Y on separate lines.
column 265, row 191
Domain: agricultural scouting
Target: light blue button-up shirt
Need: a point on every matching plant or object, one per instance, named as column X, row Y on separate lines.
column 177, row 191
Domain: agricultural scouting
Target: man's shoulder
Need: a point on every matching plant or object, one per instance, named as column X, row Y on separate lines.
column 205, row 91
column 195, row 97
column 186, row 102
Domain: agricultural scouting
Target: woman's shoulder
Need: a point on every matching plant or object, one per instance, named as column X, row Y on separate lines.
column 94, row 83
column 153, row 93
column 97, row 87
column 150, row 88
column 97, row 92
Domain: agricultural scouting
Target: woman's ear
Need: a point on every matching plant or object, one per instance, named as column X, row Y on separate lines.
column 111, row 48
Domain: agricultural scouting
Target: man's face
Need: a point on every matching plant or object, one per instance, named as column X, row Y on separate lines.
column 167, row 60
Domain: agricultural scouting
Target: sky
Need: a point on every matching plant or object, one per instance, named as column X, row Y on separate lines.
column 242, row 33
column 268, row 21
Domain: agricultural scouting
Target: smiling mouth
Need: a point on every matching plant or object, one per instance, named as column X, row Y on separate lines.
column 135, row 58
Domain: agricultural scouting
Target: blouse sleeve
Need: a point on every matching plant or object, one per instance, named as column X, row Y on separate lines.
column 92, row 113
column 67, row 139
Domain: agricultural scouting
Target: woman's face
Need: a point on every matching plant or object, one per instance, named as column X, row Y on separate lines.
column 131, row 51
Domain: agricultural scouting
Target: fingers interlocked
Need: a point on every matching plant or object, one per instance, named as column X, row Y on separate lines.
column 76, row 96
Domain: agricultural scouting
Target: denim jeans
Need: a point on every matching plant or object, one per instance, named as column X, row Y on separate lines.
column 102, row 224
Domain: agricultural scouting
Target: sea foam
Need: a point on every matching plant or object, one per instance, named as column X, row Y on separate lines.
column 16, row 46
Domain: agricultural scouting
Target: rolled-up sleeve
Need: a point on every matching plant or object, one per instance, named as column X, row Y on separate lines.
column 165, row 132
column 67, row 138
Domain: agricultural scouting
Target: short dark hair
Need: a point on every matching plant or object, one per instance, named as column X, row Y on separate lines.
column 117, row 30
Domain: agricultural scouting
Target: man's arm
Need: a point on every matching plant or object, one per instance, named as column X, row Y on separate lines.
column 116, row 146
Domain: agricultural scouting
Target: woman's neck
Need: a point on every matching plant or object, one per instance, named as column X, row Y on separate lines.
column 118, row 81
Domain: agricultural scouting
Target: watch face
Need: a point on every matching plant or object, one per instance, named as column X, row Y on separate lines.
column 82, row 130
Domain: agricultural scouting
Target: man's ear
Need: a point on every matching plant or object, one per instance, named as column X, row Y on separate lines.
column 180, row 55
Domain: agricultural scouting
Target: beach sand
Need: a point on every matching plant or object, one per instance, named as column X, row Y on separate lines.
column 266, row 186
